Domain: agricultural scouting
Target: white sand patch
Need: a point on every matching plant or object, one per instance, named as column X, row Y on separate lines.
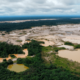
column 48, row 37
column 72, row 38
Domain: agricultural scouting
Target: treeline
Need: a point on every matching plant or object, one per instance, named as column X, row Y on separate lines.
column 29, row 24
column 6, row 49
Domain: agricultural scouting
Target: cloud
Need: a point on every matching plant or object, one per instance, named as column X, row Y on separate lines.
column 13, row 0
column 39, row 7
column 39, row 1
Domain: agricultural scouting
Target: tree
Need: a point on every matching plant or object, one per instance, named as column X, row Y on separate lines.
column 10, row 61
column 4, row 60
column 19, row 61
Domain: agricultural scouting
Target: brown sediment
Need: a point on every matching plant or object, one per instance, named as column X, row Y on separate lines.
column 1, row 59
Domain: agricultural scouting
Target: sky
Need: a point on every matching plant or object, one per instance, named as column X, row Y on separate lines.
column 39, row 7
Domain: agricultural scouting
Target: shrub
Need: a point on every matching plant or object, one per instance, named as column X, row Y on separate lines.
column 76, row 46
column 19, row 61
column 4, row 60
column 19, row 40
column 3, row 34
column 68, row 43
column 10, row 61
column 12, row 56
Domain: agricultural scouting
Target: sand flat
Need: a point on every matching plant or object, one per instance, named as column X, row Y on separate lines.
column 47, row 43
column 72, row 38
column 71, row 55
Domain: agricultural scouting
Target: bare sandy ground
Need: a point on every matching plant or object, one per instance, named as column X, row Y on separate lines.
column 49, row 40
column 19, row 21
column 23, row 55
column 72, row 38
column 17, row 55
column 49, row 37
column 46, row 43
column 71, row 55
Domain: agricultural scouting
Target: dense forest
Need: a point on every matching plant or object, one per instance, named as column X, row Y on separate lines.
column 29, row 24
column 6, row 49
column 33, row 47
column 38, row 69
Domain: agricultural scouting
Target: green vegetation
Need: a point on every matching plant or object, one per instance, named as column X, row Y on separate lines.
column 6, row 49
column 33, row 47
column 77, row 46
column 69, row 43
column 28, row 40
column 12, row 56
column 39, row 67
column 24, row 32
column 19, row 60
column 19, row 40
column 3, row 34
column 4, row 60
column 41, row 42
column 56, row 49
column 72, row 66
column 10, row 61
column 20, row 33
column 64, row 63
